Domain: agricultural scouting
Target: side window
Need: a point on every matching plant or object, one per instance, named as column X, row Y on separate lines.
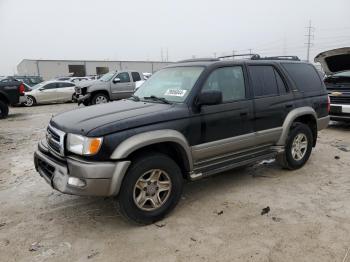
column 61, row 85
column 263, row 80
column 124, row 77
column 50, row 86
column 304, row 76
column 281, row 85
column 228, row 80
column 136, row 76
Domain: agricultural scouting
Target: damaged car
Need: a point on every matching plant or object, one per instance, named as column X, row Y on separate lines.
column 336, row 65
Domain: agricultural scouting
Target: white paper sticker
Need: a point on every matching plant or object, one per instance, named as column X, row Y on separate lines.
column 175, row 92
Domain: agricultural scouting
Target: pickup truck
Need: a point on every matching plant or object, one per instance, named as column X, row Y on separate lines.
column 111, row 86
column 11, row 93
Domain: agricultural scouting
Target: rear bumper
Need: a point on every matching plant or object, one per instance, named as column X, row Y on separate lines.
column 322, row 122
column 100, row 178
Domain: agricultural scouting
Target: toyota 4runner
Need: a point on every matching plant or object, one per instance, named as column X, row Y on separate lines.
column 190, row 120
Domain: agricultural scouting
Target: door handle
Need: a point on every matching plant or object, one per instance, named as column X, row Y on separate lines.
column 243, row 114
column 289, row 106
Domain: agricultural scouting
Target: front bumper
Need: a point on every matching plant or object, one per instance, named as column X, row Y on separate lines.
column 101, row 178
column 81, row 98
column 340, row 112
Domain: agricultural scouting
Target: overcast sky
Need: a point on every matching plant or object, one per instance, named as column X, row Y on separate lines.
column 137, row 30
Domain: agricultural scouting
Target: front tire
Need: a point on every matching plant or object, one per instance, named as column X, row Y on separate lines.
column 298, row 147
column 99, row 98
column 30, row 101
column 4, row 110
column 151, row 189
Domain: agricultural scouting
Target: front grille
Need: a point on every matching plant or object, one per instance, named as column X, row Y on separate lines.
column 77, row 90
column 340, row 99
column 46, row 168
column 55, row 140
column 53, row 134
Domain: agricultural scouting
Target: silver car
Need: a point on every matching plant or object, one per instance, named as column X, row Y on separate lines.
column 50, row 92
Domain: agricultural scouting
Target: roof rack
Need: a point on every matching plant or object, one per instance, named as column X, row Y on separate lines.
column 228, row 56
column 291, row 57
column 252, row 57
column 198, row 60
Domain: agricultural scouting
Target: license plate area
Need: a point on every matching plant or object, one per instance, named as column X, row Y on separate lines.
column 336, row 109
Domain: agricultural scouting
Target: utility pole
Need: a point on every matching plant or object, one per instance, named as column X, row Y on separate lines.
column 309, row 35
column 250, row 51
column 167, row 55
column 161, row 54
column 233, row 54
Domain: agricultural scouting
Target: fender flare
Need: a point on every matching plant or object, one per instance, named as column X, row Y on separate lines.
column 292, row 115
column 133, row 143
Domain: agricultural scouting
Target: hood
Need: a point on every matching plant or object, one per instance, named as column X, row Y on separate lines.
column 335, row 60
column 103, row 119
column 87, row 83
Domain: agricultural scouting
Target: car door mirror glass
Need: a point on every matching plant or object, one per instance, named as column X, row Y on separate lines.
column 212, row 97
column 116, row 80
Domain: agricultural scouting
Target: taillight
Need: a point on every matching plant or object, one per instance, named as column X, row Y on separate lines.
column 328, row 104
column 21, row 89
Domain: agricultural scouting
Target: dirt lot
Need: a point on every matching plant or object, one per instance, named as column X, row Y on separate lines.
column 218, row 219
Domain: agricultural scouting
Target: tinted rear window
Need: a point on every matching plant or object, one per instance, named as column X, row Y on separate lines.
column 304, row 76
column 264, row 81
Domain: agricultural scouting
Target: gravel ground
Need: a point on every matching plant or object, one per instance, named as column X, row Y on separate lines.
column 218, row 219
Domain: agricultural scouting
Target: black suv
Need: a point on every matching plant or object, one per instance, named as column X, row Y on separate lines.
column 190, row 120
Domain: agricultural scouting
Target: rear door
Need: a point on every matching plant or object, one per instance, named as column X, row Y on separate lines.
column 124, row 88
column 272, row 101
column 47, row 93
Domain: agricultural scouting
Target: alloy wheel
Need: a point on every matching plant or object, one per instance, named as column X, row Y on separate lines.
column 299, row 146
column 101, row 100
column 152, row 190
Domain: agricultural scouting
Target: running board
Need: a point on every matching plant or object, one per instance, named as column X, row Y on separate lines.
column 198, row 174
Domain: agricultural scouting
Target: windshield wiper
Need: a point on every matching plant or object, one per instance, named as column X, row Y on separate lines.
column 136, row 98
column 156, row 98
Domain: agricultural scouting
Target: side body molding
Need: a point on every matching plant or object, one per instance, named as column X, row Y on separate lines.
column 152, row 137
column 292, row 115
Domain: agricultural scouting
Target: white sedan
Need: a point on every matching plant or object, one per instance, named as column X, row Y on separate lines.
column 50, row 92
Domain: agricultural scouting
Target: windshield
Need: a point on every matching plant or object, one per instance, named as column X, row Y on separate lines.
column 107, row 77
column 346, row 74
column 174, row 84
column 38, row 85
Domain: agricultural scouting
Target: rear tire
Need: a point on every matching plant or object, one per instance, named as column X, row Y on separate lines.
column 298, row 147
column 144, row 198
column 4, row 110
column 99, row 98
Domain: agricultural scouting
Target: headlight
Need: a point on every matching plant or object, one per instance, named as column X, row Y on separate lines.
column 82, row 145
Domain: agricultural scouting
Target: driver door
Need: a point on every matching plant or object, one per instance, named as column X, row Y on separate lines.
column 122, row 86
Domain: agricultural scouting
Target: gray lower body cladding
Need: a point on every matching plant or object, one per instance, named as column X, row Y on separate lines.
column 100, row 178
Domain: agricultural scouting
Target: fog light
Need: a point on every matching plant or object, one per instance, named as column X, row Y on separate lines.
column 77, row 182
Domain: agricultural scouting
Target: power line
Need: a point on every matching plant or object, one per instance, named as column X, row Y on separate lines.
column 308, row 44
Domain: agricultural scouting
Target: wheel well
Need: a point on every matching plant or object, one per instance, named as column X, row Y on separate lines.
column 4, row 99
column 171, row 149
column 311, row 122
column 99, row 91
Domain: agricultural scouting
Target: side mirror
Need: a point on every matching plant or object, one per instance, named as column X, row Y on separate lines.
column 40, row 89
column 116, row 80
column 212, row 97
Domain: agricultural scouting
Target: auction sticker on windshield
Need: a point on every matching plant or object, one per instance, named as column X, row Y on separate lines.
column 175, row 92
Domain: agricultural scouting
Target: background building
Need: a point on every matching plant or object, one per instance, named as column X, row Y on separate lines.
column 49, row 69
